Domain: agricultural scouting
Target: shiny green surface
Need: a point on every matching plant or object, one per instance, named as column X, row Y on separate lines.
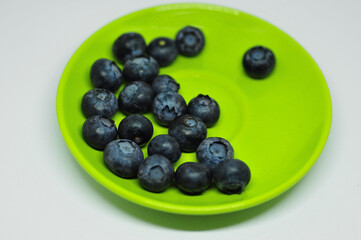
column 278, row 125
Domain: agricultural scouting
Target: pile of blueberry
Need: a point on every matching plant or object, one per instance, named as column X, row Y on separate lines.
column 146, row 91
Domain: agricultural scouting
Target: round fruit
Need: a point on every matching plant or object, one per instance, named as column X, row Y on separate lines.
column 190, row 41
column 165, row 145
column 189, row 131
column 193, row 178
column 106, row 74
column 99, row 102
column 141, row 69
column 164, row 83
column 167, row 106
column 123, row 157
column 232, row 176
column 129, row 45
column 137, row 128
column 135, row 97
column 258, row 62
column 163, row 50
column 99, row 131
column 156, row 173
column 214, row 150
column 206, row 108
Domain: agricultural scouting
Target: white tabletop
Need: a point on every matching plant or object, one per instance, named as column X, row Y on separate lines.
column 45, row 194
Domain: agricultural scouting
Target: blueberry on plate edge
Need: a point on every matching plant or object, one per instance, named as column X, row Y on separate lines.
column 100, row 102
column 106, row 74
column 123, row 157
column 231, row 176
column 193, row 178
column 99, row 131
column 211, row 151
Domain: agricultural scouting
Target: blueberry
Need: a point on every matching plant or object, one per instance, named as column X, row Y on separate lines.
column 165, row 145
column 193, row 178
column 258, row 62
column 123, row 158
column 214, row 150
column 190, row 41
column 164, row 83
column 99, row 102
column 155, row 173
column 163, row 50
column 99, row 131
column 141, row 69
column 137, row 128
column 136, row 97
column 189, row 131
column 232, row 176
column 129, row 45
column 106, row 74
column 167, row 106
column 206, row 108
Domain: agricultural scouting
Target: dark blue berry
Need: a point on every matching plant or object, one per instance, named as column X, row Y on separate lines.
column 214, row 150
column 258, row 62
column 205, row 108
column 99, row 102
column 165, row 145
column 99, row 131
column 129, row 45
column 232, row 176
column 123, row 157
column 193, row 178
column 106, row 74
column 189, row 131
column 190, row 41
column 163, row 50
column 164, row 83
column 167, row 106
column 156, row 173
column 141, row 69
column 137, row 128
column 136, row 97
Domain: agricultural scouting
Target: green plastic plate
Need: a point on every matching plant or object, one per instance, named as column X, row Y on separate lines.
column 278, row 125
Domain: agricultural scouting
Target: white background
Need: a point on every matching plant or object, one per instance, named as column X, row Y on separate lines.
column 45, row 194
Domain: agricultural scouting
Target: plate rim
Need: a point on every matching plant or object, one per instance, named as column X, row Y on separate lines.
column 186, row 209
